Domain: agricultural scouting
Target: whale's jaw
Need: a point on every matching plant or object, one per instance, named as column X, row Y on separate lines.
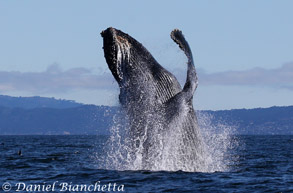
column 116, row 51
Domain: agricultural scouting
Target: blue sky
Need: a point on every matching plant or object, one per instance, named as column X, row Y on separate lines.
column 243, row 50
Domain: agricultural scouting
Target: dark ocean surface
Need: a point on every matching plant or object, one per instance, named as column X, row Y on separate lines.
column 265, row 164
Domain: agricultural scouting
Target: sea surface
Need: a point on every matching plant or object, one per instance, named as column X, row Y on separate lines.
column 69, row 164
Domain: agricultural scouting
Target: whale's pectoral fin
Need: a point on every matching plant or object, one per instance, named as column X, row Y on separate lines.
column 191, row 80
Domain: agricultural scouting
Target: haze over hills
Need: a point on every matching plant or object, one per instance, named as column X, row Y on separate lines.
column 49, row 116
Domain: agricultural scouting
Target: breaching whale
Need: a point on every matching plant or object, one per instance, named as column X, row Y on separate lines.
column 163, row 127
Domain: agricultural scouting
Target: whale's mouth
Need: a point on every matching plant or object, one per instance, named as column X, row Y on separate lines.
column 116, row 51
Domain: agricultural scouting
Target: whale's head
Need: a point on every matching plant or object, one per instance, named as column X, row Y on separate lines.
column 127, row 58
column 135, row 69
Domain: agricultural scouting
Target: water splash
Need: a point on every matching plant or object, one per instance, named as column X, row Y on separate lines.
column 215, row 152
column 220, row 143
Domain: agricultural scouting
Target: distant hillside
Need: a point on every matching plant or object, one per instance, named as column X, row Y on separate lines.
column 38, row 115
column 87, row 119
column 259, row 121
column 36, row 102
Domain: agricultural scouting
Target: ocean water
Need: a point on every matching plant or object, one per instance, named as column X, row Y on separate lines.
column 71, row 164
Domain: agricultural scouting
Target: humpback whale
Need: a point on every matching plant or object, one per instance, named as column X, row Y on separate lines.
column 162, row 125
